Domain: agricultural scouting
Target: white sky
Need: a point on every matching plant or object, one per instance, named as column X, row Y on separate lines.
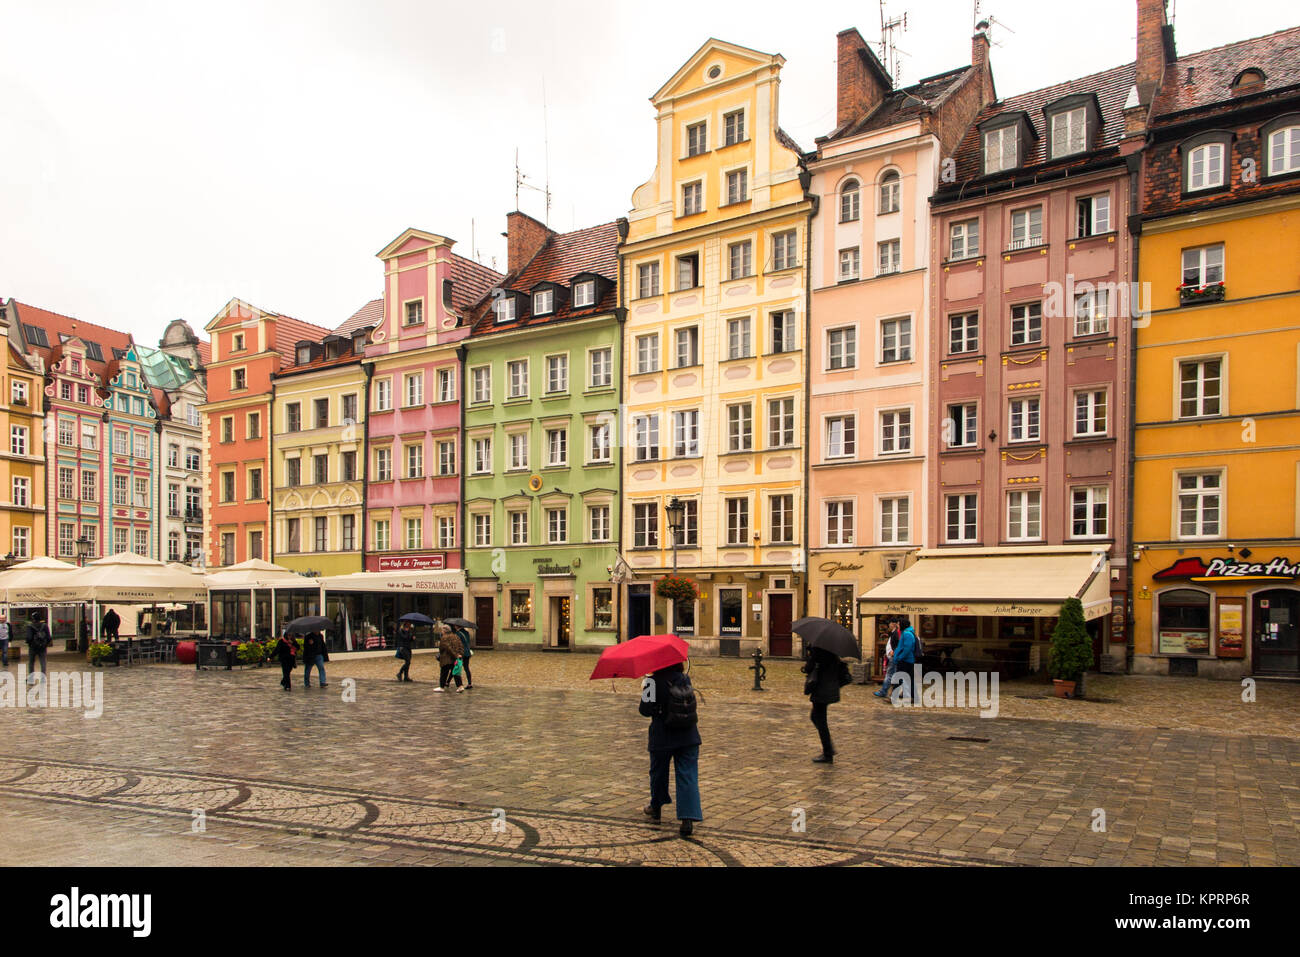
column 157, row 158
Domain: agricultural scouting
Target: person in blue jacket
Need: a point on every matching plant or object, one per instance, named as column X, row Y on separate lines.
column 905, row 655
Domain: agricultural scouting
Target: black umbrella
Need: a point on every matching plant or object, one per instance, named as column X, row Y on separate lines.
column 460, row 623
column 416, row 618
column 827, row 635
column 305, row 626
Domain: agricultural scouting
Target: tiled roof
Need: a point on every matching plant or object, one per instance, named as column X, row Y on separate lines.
column 289, row 332
column 561, row 258
column 205, row 352
column 1212, row 71
column 367, row 317
column 470, row 283
column 57, row 326
column 903, row 104
column 788, row 141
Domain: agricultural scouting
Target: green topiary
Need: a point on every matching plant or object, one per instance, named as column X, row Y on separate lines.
column 1071, row 646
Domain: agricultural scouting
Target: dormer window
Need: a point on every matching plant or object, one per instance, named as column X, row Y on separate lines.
column 414, row 313
column 1248, row 80
column 543, row 302
column 1282, row 145
column 93, row 352
column 76, row 365
column 1069, row 132
column 304, row 355
column 1001, row 149
column 506, row 309
column 1205, row 161
column 584, row 294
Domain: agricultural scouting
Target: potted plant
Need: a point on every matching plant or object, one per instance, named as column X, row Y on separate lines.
column 102, row 653
column 251, row 653
column 675, row 588
column 1071, row 650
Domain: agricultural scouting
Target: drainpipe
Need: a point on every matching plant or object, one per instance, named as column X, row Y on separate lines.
column 369, row 369
column 620, row 317
column 805, row 180
column 1134, row 162
column 462, row 353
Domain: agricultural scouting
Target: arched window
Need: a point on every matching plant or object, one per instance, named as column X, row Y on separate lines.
column 890, row 191
column 850, row 202
column 1249, row 77
column 1284, row 150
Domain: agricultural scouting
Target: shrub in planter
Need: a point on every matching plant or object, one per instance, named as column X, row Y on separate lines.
column 98, row 654
column 1071, row 646
column 251, row 653
column 676, row 588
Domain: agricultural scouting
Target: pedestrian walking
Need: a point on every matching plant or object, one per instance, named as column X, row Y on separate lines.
column 38, row 643
column 826, row 675
column 668, row 700
column 286, row 649
column 5, row 634
column 83, row 632
column 465, row 644
column 110, row 625
column 450, row 651
column 891, row 648
column 906, row 653
column 314, row 655
column 405, row 644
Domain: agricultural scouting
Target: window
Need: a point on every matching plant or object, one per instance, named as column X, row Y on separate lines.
column 1284, row 151
column 518, row 445
column 783, row 335
column 293, row 472
column 890, row 192
column 227, row 435
column 850, row 202
column 383, row 465
column 348, row 532
column 254, row 486
column 1026, row 227
column 18, row 439
column 602, row 368
column 1069, row 132
column 67, row 482
column 447, row 531
column 1000, row 149
column 121, row 439
column 602, row 608
column 227, row 486
column 842, row 348
column 1088, row 512
column 687, row 346
column 254, row 428
column 740, row 428
column 598, row 519
column 521, row 609
column 414, row 533
column 239, row 380
column 382, row 535
column 599, row 446
column 839, row 523
column 1024, row 516
column 414, row 313
column 518, row 528
column 1198, row 504
column 21, row 492
column 557, row 447
column 65, row 391
column 506, row 308
column 482, row 456
column 889, row 257
column 785, row 254
column 482, row 529
column 1092, row 313
column 1184, row 622
column 557, row 374
column 89, row 436
column 482, row 383
column 896, row 432
column 67, row 433
column 645, row 430
column 446, row 458
column 645, row 525
column 83, row 394
column 1205, row 167
column 446, row 385
column 383, row 395
column 119, row 490
column 543, row 302
column 688, row 271
column 647, row 353
column 350, row 409
column 227, row 548
column 733, row 128
column 647, row 280
column 517, row 371
column 1092, row 215
column 697, row 139
column 142, row 541
column 173, row 499
column 692, row 199
column 961, row 425
column 737, row 521
column 1200, row 388
column 414, row 388
column 192, row 414
column 961, row 518
column 557, row 526
column 739, row 342
column 782, row 512
column 686, row 434
column 896, row 340
column 737, row 186
column 964, row 333
column 18, row 392
column 119, row 541
column 1203, row 266
column 895, row 521
column 841, row 436
column 584, row 294
column 320, row 469
column 193, row 505
column 67, row 533
column 174, row 547
column 780, row 423
column 320, row 528
column 173, row 453
column 1024, row 420
column 292, row 420
column 193, row 460
column 1090, row 413
column 850, row 264
column 347, row 466
column 740, row 260
column 1027, row 324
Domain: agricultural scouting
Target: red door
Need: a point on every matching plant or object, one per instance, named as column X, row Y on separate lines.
column 780, row 612
column 484, row 618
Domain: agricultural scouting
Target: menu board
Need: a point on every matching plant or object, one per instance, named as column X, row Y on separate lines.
column 1174, row 642
column 1232, row 631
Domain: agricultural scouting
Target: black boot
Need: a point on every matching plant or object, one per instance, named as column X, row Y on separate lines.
column 652, row 812
column 687, row 828
column 824, row 759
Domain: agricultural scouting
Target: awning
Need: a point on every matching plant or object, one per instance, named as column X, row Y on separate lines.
column 31, row 582
column 1003, row 582
column 256, row 573
column 444, row 582
column 127, row 578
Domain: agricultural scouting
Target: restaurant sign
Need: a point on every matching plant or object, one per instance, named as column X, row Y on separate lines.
column 974, row 608
column 1229, row 569
column 413, row 563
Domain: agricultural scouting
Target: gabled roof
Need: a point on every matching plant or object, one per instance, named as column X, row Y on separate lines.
column 57, row 327
column 289, row 332
column 714, row 46
column 904, row 104
column 367, row 317
column 1212, row 71
column 471, row 282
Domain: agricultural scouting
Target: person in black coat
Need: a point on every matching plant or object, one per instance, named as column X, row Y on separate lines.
column 110, row 625
column 405, row 648
column 286, row 649
column 38, row 643
column 823, row 689
column 314, row 655
column 680, row 745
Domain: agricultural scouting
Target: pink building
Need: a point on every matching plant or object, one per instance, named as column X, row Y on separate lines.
column 413, row 440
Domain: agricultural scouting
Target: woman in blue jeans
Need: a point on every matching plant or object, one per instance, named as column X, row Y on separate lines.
column 680, row 745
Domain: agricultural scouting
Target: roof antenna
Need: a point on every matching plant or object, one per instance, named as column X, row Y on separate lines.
column 521, row 182
column 889, row 52
column 994, row 21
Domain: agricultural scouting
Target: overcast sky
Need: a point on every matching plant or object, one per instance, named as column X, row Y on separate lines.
column 158, row 158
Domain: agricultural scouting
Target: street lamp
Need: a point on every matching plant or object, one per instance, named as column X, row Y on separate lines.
column 83, row 550
column 675, row 510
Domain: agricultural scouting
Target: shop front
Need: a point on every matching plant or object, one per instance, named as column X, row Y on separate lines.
column 365, row 607
column 837, row 577
column 992, row 609
column 1220, row 616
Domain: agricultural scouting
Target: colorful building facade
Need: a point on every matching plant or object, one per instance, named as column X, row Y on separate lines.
column 714, row 280
column 541, row 457
column 22, row 461
column 131, row 427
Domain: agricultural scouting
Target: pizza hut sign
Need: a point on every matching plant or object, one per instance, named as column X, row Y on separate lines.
column 1228, row 569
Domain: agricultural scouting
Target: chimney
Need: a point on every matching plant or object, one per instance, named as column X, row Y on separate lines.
column 524, row 237
column 861, row 80
column 1155, row 47
column 979, row 59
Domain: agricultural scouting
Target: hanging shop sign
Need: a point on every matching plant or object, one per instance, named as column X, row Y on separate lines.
column 1230, row 569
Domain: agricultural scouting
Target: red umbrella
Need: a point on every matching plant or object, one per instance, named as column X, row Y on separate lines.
column 641, row 656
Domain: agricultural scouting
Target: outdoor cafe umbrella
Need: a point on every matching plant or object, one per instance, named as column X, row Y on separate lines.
column 460, row 623
column 641, row 656
column 828, row 635
column 416, row 618
column 307, row 624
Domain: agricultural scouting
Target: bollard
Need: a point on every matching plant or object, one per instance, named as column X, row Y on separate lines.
column 759, row 669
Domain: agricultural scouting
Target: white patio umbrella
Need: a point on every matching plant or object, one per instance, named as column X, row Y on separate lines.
column 128, row 578
column 28, row 583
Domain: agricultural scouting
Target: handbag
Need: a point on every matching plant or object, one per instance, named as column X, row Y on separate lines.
column 846, row 676
column 458, row 669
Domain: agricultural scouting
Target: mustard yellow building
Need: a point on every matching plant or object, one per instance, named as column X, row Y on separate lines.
column 714, row 282
column 22, row 459
column 1216, row 516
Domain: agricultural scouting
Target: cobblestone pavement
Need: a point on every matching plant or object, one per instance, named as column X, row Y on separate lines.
column 407, row 775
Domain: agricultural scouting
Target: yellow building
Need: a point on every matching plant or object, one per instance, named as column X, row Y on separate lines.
column 22, row 461
column 714, row 282
column 1216, row 516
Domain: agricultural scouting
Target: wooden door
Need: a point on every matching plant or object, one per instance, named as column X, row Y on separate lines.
column 485, row 619
column 780, row 615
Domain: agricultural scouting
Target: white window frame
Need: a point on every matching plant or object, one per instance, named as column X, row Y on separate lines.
column 839, row 526
column 851, row 201
column 1201, row 493
column 517, row 451
column 964, row 238
column 600, row 368
column 740, row 338
column 544, row 302
column 517, row 378
column 1094, row 403
column 557, row 448
column 1207, row 259
column 1283, row 151
column 1026, row 227
column 968, row 516
column 889, row 257
column 1074, row 130
column 1202, row 396
column 647, row 353
column 898, row 519
column 1025, row 419
column 481, row 384
column 1210, row 157
column 845, row 445
column 1092, row 313
column 967, row 436
column 895, row 433
column 1094, row 218
column 898, row 331
column 584, row 294
column 647, row 280
column 970, row 343
column 889, row 193
column 842, row 350
column 1024, row 515
column 1001, row 149
column 1027, row 323
column 850, row 268
column 557, row 374
column 1090, row 497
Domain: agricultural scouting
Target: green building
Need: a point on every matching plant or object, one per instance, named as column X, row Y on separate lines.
column 542, row 454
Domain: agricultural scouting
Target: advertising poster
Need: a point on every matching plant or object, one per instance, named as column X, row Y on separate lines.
column 1175, row 642
column 1232, row 629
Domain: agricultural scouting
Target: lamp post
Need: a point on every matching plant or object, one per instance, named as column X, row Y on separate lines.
column 674, row 511
column 83, row 550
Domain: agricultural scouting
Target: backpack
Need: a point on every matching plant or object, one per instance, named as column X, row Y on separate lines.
column 679, row 710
